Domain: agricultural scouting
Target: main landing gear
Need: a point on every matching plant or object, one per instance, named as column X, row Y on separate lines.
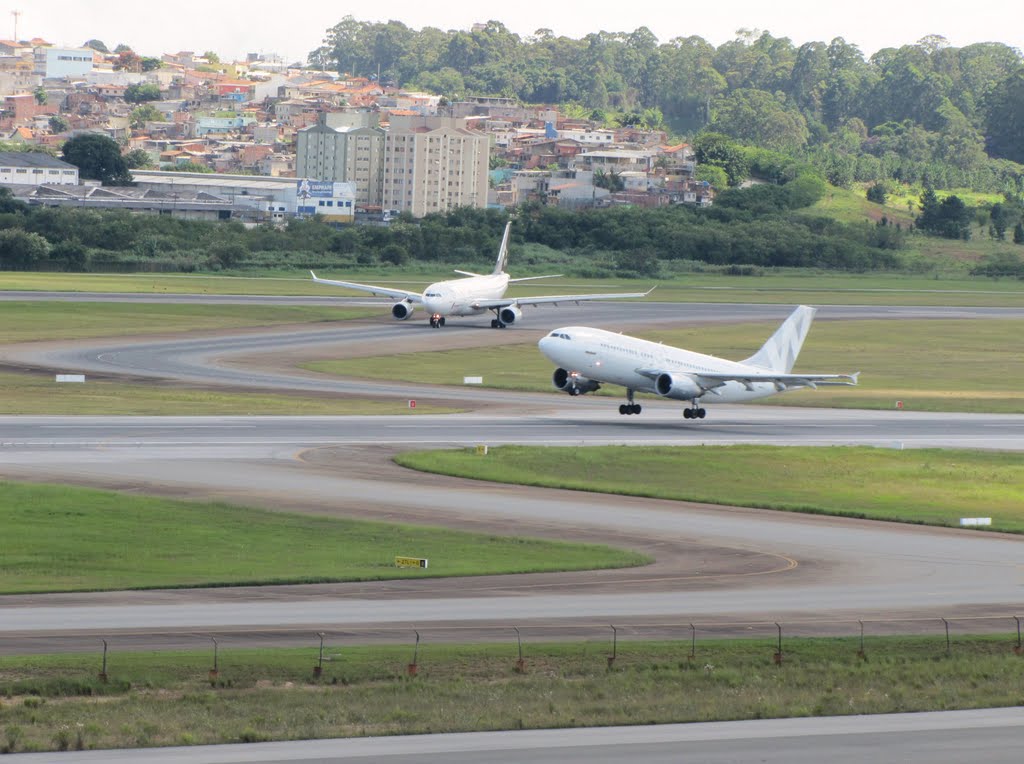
column 694, row 412
column 436, row 321
column 497, row 323
column 629, row 408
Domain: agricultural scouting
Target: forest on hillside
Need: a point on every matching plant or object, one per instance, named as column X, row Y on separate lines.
column 924, row 113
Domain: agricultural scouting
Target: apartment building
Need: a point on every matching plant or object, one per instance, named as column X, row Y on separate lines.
column 434, row 164
column 346, row 147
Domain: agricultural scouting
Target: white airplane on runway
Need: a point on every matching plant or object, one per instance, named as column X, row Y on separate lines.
column 473, row 295
column 589, row 357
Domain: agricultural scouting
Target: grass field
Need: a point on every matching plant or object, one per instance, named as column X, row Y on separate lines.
column 932, row 486
column 58, row 538
column 929, row 365
column 56, row 702
column 40, row 320
column 40, row 394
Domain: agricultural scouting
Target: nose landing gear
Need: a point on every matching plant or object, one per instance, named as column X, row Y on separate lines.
column 436, row 321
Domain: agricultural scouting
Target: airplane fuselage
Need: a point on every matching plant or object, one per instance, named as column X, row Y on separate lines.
column 617, row 359
column 457, row 297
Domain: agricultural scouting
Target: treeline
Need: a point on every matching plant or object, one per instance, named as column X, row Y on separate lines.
column 923, row 113
column 765, row 226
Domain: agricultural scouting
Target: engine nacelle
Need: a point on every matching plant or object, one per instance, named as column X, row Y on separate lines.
column 680, row 387
column 510, row 315
column 572, row 383
column 402, row 310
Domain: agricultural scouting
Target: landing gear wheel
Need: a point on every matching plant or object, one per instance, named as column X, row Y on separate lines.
column 433, row 322
column 636, row 408
column 494, row 323
column 629, row 408
column 440, row 321
column 701, row 413
column 622, row 409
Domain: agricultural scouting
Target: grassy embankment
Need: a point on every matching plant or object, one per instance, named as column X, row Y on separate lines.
column 56, row 702
column 58, row 538
column 933, row 486
column 40, row 394
column 930, row 365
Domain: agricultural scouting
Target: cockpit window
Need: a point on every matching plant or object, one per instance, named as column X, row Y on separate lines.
column 560, row 335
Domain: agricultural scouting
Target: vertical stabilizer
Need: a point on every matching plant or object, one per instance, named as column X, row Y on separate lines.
column 779, row 353
column 502, row 262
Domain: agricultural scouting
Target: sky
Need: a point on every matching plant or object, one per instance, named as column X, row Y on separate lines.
column 257, row 26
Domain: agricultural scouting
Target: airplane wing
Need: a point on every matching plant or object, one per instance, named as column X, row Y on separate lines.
column 710, row 380
column 398, row 294
column 557, row 298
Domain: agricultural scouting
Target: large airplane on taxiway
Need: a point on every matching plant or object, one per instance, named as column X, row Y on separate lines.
column 588, row 358
column 473, row 295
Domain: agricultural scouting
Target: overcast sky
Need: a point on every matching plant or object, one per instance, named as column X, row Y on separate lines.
column 232, row 29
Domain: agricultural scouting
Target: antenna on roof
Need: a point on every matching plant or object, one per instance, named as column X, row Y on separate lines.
column 16, row 15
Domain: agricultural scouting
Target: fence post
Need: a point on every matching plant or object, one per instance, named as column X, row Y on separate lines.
column 1017, row 648
column 413, row 668
column 520, row 664
column 103, row 671
column 318, row 669
column 946, row 624
column 778, row 652
column 693, row 643
column 615, row 647
column 860, row 653
column 214, row 672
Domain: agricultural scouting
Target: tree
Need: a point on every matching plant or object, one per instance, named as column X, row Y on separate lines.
column 150, row 64
column 712, row 174
column 1018, row 233
column 58, row 124
column 128, row 61
column 20, row 250
column 97, row 157
column 96, row 45
column 876, row 193
column 140, row 92
column 41, row 95
column 143, row 114
column 138, row 159
column 212, row 57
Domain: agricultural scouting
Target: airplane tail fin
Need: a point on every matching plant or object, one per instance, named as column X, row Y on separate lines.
column 779, row 353
column 502, row 261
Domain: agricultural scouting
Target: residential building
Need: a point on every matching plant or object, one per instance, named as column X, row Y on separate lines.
column 35, row 169
column 434, row 164
column 52, row 63
column 347, row 147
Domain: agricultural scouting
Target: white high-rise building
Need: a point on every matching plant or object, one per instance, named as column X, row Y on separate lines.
column 434, row 164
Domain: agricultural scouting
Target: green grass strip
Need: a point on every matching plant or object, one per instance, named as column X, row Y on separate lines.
column 45, row 320
column 931, row 486
column 41, row 394
column 59, row 538
column 270, row 694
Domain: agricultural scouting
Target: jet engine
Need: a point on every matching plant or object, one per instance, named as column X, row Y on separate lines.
column 402, row 310
column 571, row 382
column 680, row 387
column 510, row 315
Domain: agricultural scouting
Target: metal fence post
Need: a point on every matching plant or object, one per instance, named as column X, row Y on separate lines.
column 615, row 646
column 413, row 668
column 520, row 664
column 318, row 669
